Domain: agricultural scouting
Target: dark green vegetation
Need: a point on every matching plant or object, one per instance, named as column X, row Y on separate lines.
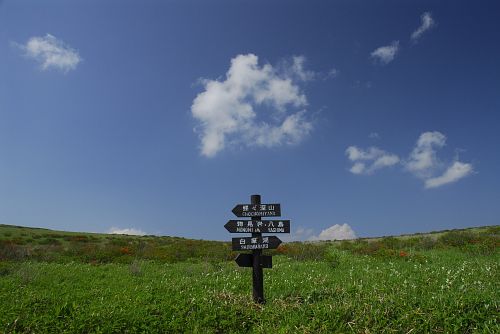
column 73, row 282
column 20, row 243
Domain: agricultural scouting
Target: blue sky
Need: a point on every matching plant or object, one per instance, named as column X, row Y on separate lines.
column 361, row 118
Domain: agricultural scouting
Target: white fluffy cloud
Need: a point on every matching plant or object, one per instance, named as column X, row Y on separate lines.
column 251, row 107
column 129, row 231
column 336, row 232
column 427, row 23
column 423, row 160
column 51, row 52
column 386, row 54
column 368, row 161
column 454, row 173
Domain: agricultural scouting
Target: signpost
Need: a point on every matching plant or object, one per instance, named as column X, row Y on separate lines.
column 257, row 242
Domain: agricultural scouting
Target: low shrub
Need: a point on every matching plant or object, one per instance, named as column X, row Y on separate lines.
column 390, row 243
column 473, row 243
column 304, row 251
column 135, row 268
column 495, row 230
column 335, row 257
column 48, row 241
column 5, row 268
column 12, row 251
column 456, row 239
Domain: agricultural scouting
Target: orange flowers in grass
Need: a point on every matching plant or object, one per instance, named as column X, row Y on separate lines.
column 125, row 251
column 403, row 254
column 282, row 249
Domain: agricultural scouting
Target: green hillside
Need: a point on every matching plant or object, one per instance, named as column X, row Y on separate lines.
column 25, row 243
column 67, row 282
column 19, row 243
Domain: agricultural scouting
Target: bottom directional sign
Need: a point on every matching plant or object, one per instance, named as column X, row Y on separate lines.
column 246, row 260
column 250, row 243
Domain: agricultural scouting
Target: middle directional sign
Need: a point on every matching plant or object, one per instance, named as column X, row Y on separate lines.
column 258, row 226
column 257, row 210
column 252, row 243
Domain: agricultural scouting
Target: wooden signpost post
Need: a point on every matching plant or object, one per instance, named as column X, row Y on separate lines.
column 257, row 242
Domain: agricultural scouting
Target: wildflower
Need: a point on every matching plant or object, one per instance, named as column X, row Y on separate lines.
column 125, row 251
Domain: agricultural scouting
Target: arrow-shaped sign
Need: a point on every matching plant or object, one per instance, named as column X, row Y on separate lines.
column 251, row 243
column 257, row 210
column 258, row 226
column 246, row 260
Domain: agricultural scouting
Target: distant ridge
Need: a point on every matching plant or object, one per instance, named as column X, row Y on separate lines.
column 11, row 228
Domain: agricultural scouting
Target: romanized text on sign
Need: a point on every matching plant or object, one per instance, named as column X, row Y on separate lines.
column 257, row 210
column 258, row 226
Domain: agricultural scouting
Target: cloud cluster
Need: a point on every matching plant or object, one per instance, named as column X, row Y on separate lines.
column 368, row 161
column 427, row 22
column 336, row 232
column 128, row 231
column 422, row 161
column 251, row 107
column 51, row 52
column 386, row 54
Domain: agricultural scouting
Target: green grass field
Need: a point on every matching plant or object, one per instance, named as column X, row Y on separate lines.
column 125, row 284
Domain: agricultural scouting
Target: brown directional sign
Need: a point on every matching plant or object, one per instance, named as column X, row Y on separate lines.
column 257, row 210
column 258, row 226
column 246, row 260
column 254, row 243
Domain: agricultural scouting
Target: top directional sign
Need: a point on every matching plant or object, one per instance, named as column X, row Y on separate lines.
column 260, row 210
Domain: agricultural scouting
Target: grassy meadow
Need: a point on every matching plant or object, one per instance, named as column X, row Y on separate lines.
column 62, row 282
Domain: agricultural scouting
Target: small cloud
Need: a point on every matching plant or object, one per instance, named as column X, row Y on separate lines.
column 386, row 54
column 254, row 106
column 299, row 234
column 427, row 23
column 336, row 232
column 333, row 73
column 298, row 68
column 370, row 160
column 51, row 52
column 358, row 168
column 423, row 160
column 358, row 84
column 454, row 173
column 374, row 135
column 128, row 231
